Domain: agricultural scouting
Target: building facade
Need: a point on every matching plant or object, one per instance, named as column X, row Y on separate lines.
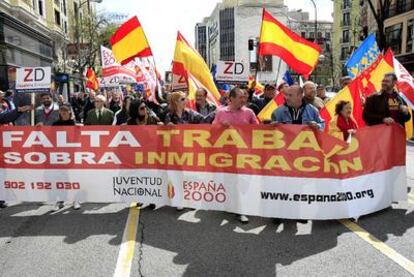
column 231, row 33
column 36, row 33
column 347, row 32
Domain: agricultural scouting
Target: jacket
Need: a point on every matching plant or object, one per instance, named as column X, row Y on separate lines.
column 106, row 119
column 310, row 113
column 376, row 109
column 47, row 120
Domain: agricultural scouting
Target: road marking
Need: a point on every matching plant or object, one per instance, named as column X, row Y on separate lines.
column 126, row 252
column 379, row 245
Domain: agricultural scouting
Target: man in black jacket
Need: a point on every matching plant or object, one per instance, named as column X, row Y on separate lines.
column 7, row 116
column 386, row 106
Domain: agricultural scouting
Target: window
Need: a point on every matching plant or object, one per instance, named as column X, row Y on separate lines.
column 57, row 18
column 227, row 34
column 65, row 12
column 328, row 36
column 66, row 27
column 41, row 6
column 344, row 53
column 319, row 35
column 346, row 19
column 346, row 4
column 345, row 36
column 393, row 37
column 75, row 9
column 312, row 36
column 410, row 36
column 303, row 34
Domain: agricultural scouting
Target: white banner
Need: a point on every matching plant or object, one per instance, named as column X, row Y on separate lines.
column 33, row 79
column 280, row 197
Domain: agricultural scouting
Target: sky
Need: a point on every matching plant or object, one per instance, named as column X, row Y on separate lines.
column 161, row 19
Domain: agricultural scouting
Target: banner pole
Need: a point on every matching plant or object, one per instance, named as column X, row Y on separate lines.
column 32, row 117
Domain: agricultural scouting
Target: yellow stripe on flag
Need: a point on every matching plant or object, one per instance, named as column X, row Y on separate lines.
column 266, row 112
column 409, row 126
column 195, row 65
column 272, row 33
column 133, row 43
column 378, row 74
column 343, row 95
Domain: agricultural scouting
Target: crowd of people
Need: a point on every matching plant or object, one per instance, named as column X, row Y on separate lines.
column 238, row 106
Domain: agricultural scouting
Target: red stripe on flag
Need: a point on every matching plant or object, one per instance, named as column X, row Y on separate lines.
column 125, row 29
column 179, row 69
column 288, row 57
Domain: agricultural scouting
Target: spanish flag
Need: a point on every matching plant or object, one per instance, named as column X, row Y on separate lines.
column 266, row 113
column 187, row 61
column 92, row 81
column 258, row 89
column 130, row 42
column 276, row 39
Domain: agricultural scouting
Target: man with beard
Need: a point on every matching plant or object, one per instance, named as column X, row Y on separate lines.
column 48, row 112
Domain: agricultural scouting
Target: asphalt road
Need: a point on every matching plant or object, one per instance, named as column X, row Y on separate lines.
column 36, row 242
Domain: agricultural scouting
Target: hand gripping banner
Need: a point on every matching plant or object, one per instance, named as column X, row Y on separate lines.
column 284, row 171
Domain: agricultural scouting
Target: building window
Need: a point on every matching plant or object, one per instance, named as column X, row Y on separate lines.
column 303, row 34
column 346, row 4
column 227, row 34
column 344, row 53
column 66, row 27
column 410, row 36
column 346, row 19
column 57, row 18
column 65, row 12
column 75, row 9
column 345, row 36
column 393, row 37
column 41, row 6
column 311, row 36
column 328, row 36
column 202, row 41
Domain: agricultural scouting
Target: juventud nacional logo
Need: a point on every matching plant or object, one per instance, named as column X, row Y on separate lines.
column 171, row 190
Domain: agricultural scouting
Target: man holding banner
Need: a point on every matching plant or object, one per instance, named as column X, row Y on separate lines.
column 387, row 106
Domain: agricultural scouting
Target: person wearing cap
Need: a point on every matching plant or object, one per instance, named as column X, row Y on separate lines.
column 100, row 115
column 66, row 118
column 268, row 94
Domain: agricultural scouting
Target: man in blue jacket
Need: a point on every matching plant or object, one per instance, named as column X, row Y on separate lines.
column 296, row 111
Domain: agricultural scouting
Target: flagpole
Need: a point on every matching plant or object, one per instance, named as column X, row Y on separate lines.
column 258, row 50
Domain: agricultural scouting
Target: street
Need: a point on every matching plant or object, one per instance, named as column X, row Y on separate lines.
column 37, row 242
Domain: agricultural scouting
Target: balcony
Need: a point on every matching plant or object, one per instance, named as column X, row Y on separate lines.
column 399, row 8
column 345, row 23
column 344, row 40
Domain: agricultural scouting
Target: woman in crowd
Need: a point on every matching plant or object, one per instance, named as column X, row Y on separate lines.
column 179, row 114
column 139, row 114
column 343, row 124
column 122, row 115
column 66, row 118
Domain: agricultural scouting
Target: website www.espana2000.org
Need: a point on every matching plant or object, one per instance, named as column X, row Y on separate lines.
column 310, row 198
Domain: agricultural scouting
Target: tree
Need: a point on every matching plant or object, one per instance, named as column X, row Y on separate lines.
column 380, row 15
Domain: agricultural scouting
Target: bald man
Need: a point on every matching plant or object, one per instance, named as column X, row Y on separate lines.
column 297, row 111
column 310, row 97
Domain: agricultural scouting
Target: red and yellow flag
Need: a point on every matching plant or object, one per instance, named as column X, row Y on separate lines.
column 187, row 61
column 276, row 39
column 130, row 42
column 92, row 81
column 266, row 113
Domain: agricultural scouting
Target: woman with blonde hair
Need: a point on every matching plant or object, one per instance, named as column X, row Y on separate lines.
column 179, row 114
